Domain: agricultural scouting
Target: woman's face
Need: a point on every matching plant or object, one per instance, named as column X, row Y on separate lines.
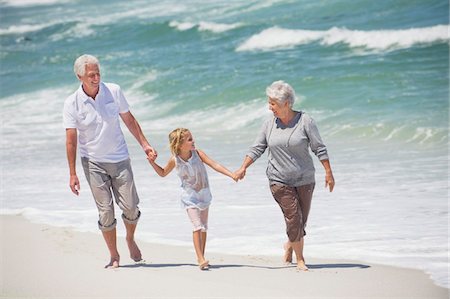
column 279, row 110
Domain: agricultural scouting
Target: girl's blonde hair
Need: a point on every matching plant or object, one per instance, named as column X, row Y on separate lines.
column 176, row 139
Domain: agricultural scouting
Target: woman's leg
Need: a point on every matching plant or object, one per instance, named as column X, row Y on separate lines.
column 287, row 252
column 304, row 198
column 295, row 204
column 298, row 249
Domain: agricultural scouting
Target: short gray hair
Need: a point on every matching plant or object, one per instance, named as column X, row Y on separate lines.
column 281, row 92
column 79, row 67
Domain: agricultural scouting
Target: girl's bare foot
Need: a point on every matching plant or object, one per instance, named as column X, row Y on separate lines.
column 301, row 266
column 287, row 253
column 204, row 265
column 113, row 263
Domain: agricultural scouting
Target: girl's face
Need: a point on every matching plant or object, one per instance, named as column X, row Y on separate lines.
column 188, row 143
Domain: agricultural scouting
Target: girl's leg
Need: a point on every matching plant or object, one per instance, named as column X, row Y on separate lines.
column 197, row 238
column 204, row 224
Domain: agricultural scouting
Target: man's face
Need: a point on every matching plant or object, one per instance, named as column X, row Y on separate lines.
column 91, row 77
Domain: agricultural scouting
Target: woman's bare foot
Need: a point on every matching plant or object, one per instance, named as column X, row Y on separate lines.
column 287, row 253
column 301, row 266
column 113, row 263
column 135, row 253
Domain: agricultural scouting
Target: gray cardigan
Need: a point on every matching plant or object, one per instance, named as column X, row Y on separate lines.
column 290, row 162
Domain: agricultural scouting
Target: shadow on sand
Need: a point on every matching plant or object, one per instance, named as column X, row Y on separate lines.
column 223, row 266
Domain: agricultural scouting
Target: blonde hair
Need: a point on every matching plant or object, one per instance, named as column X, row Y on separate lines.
column 176, row 139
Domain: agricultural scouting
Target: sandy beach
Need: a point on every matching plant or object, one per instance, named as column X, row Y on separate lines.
column 40, row 261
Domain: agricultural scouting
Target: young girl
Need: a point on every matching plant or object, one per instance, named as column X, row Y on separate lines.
column 196, row 196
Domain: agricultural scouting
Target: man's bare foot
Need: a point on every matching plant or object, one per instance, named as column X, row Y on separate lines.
column 114, row 263
column 287, row 253
column 301, row 266
column 135, row 253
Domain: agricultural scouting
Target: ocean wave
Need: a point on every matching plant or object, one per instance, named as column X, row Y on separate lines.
column 389, row 132
column 380, row 40
column 217, row 119
column 20, row 29
column 205, row 26
column 31, row 2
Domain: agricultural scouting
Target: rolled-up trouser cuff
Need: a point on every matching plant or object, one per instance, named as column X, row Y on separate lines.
column 110, row 227
column 131, row 221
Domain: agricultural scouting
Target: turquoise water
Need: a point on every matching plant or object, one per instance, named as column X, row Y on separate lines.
column 374, row 75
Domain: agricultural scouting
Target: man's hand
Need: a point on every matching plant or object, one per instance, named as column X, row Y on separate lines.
column 75, row 184
column 151, row 153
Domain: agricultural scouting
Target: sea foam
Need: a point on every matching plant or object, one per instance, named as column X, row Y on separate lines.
column 31, row 2
column 382, row 40
column 204, row 26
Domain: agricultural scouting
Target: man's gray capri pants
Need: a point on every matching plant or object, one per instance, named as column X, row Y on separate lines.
column 118, row 178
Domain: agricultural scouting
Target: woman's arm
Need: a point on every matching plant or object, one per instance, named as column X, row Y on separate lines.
column 163, row 171
column 329, row 179
column 214, row 165
column 240, row 173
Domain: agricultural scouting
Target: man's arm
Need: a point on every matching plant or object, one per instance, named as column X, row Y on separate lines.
column 133, row 126
column 71, row 148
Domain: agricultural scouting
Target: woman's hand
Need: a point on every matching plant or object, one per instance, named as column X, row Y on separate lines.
column 239, row 174
column 329, row 180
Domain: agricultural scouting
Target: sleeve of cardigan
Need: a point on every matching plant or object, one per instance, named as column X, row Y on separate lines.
column 260, row 144
column 315, row 141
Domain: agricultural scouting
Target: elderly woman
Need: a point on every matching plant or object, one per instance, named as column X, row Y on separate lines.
column 288, row 136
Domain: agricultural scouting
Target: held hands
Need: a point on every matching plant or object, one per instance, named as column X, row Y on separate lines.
column 239, row 174
column 151, row 153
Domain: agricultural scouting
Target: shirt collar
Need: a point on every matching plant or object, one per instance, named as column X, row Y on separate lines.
column 84, row 97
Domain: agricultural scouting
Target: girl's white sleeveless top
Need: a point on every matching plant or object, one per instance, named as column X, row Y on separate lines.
column 194, row 182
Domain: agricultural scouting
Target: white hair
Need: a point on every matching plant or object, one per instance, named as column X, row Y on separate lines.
column 281, row 92
column 79, row 67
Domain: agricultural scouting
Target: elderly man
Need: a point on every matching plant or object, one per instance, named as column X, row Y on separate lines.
column 91, row 118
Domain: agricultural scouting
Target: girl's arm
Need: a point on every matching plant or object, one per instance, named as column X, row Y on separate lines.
column 214, row 165
column 163, row 171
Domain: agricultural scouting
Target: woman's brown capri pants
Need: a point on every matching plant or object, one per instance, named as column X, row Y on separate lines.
column 295, row 203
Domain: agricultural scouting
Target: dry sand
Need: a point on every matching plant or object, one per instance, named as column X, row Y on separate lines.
column 41, row 261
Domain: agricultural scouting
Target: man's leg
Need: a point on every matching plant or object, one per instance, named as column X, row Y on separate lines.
column 100, row 184
column 135, row 253
column 111, row 242
column 127, row 199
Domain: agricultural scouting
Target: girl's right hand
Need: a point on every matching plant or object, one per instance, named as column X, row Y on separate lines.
column 239, row 174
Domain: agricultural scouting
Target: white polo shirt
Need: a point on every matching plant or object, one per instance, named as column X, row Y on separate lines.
column 100, row 137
